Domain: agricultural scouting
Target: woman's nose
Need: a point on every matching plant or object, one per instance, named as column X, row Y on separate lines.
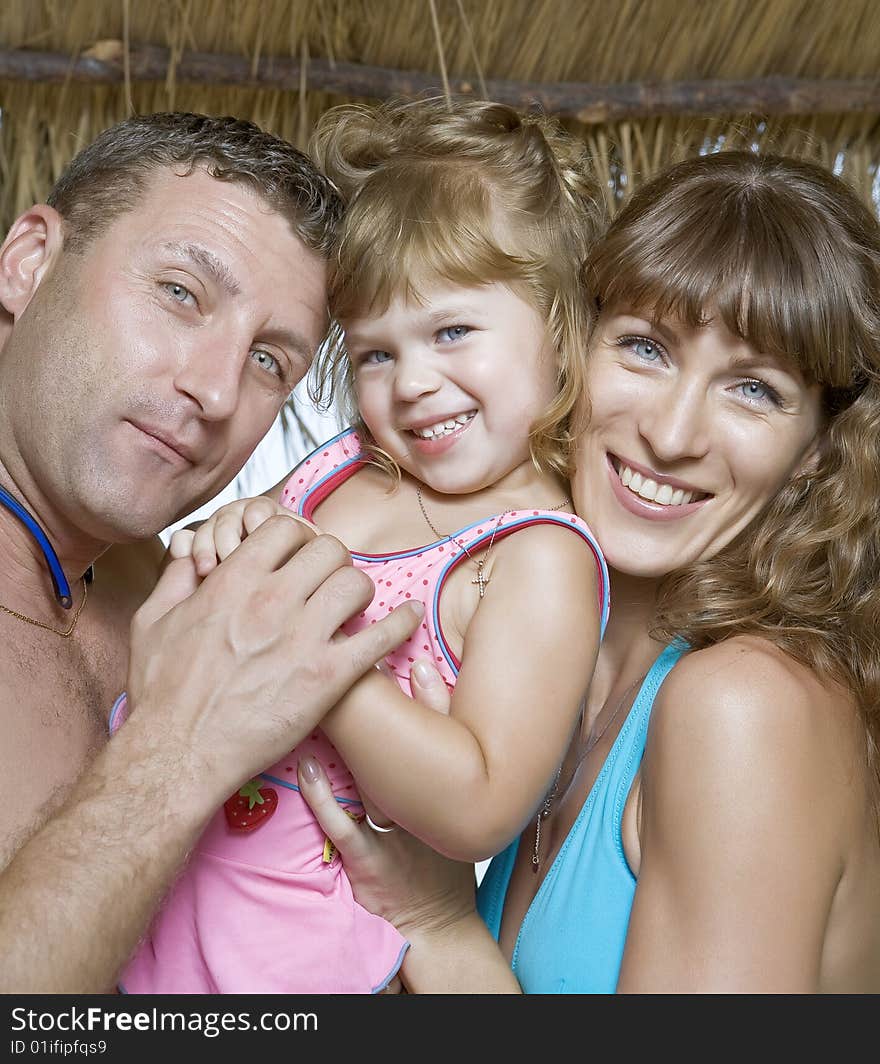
column 675, row 423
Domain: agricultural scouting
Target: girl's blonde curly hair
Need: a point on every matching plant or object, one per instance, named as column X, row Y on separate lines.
column 469, row 193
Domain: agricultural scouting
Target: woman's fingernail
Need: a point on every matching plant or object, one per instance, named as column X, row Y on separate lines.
column 424, row 674
column 309, row 769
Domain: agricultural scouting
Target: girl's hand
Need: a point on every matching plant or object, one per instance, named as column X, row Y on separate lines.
column 393, row 874
column 217, row 537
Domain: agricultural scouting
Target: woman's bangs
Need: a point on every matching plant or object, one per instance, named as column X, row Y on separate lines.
column 737, row 265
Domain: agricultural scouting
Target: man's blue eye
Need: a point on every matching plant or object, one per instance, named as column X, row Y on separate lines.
column 267, row 361
column 179, row 293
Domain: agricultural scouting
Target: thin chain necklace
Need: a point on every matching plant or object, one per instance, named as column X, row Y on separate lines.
column 480, row 580
column 592, row 741
column 65, row 633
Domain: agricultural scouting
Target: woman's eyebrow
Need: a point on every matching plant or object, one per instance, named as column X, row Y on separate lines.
column 208, row 261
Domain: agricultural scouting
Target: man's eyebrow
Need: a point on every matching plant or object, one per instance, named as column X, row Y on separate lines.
column 209, row 262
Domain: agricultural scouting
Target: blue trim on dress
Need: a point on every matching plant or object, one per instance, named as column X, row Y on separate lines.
column 293, row 787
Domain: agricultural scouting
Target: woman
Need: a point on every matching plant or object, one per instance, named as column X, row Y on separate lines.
column 714, row 826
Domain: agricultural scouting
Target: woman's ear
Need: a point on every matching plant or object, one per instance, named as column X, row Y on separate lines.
column 31, row 245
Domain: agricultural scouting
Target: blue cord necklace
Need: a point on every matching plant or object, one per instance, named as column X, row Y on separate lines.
column 60, row 584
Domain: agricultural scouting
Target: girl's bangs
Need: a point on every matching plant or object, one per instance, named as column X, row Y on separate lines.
column 443, row 231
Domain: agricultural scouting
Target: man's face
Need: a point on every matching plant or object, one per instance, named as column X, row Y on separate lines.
column 144, row 372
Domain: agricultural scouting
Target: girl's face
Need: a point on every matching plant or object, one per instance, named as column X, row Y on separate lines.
column 691, row 432
column 450, row 385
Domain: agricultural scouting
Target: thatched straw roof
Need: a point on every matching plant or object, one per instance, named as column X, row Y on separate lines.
column 644, row 81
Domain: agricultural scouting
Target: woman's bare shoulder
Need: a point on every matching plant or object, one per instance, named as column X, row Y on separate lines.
column 744, row 705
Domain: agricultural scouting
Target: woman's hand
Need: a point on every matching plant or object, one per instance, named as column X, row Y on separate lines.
column 429, row 898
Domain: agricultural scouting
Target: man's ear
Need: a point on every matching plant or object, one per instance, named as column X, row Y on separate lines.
column 31, row 246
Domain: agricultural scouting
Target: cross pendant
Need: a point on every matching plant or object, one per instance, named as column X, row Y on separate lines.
column 480, row 580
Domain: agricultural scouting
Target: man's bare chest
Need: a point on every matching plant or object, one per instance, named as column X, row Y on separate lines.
column 55, row 700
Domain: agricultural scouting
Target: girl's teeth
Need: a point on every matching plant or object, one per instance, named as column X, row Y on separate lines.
column 443, row 428
column 650, row 490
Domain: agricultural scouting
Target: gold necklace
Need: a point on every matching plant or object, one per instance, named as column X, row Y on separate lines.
column 480, row 580
column 592, row 741
column 63, row 632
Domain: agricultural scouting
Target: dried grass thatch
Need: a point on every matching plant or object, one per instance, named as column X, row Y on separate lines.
column 479, row 43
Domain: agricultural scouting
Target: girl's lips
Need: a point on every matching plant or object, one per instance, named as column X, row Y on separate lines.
column 651, row 511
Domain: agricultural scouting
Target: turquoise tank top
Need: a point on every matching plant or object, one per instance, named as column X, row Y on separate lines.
column 572, row 937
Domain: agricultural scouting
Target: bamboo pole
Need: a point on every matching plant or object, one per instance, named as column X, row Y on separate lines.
column 591, row 104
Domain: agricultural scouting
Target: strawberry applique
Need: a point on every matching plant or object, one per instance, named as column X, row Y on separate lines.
column 250, row 807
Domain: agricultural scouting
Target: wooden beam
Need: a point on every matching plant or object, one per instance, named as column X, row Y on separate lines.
column 589, row 103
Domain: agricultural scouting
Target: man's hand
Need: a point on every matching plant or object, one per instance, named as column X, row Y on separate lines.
column 235, row 671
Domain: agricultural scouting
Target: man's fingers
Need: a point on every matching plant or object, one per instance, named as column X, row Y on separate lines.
column 428, row 686
column 368, row 647
column 275, row 543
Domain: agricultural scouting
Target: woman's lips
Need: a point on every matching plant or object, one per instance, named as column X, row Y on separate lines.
column 646, row 508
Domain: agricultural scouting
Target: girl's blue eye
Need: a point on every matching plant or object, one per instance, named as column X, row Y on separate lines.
column 376, row 357
column 453, row 332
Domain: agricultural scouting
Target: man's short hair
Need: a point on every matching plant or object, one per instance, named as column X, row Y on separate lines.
column 109, row 176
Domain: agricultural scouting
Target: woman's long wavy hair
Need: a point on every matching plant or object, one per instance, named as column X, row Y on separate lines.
column 465, row 192
column 789, row 257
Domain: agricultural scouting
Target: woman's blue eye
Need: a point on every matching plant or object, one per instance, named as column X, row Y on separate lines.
column 453, row 332
column 646, row 349
column 758, row 391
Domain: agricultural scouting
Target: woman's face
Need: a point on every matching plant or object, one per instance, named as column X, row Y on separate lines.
column 691, row 432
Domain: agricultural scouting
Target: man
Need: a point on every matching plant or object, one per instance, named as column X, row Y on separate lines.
column 156, row 313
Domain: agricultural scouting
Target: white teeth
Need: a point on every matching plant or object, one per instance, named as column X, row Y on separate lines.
column 650, row 490
column 443, row 428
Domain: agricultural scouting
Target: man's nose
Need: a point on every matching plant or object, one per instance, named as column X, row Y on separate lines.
column 210, row 374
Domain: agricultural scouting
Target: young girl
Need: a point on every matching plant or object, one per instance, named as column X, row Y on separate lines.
column 459, row 359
